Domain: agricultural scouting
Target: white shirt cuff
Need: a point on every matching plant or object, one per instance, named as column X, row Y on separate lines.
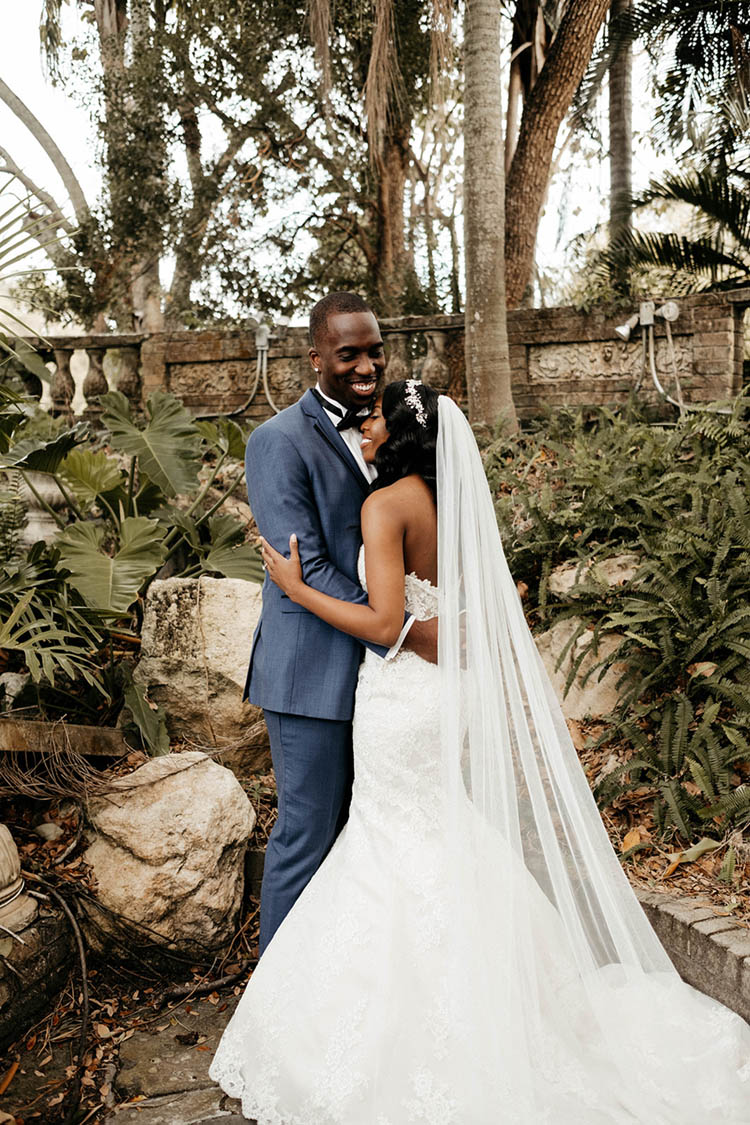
column 394, row 650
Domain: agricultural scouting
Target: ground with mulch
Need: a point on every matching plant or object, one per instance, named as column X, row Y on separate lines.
column 41, row 1081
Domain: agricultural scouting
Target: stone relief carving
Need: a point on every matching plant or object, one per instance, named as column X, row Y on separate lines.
column 232, row 378
column 594, row 361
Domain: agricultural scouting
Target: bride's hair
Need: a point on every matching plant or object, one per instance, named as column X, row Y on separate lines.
column 410, row 412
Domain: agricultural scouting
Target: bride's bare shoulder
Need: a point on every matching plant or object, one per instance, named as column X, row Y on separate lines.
column 407, row 491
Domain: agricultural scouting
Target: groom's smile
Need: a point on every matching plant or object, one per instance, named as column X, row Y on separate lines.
column 348, row 358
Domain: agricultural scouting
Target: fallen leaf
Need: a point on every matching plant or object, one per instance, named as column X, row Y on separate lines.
column 702, row 668
column 690, row 854
column 102, row 1030
column 576, row 733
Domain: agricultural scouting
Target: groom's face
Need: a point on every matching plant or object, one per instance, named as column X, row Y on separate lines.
column 348, row 358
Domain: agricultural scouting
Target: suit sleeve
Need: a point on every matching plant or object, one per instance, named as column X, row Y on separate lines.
column 278, row 488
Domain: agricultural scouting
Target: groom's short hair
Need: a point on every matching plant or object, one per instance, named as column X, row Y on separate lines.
column 330, row 305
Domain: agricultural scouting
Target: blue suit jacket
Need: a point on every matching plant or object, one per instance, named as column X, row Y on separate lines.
column 302, row 478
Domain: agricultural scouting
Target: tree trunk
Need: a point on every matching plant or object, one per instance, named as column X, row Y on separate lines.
column 486, row 348
column 393, row 265
column 543, row 114
column 620, row 146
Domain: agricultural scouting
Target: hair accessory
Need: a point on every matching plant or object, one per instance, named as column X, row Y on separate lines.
column 414, row 400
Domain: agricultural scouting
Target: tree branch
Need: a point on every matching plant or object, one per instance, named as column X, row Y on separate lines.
column 40, row 134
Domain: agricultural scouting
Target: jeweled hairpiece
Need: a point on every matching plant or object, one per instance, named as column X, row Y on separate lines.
column 414, row 400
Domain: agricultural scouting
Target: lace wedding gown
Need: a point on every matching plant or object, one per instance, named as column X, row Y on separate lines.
column 361, row 1012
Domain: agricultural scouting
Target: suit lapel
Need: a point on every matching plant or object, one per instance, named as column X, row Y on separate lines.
column 327, row 431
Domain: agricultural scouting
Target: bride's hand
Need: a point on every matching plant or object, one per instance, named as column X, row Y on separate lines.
column 286, row 573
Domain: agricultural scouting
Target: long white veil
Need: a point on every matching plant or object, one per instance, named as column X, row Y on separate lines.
column 569, row 962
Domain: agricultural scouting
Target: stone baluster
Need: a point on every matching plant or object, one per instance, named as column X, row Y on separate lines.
column 63, row 387
column 435, row 369
column 17, row 910
column 399, row 366
column 95, row 383
column 129, row 376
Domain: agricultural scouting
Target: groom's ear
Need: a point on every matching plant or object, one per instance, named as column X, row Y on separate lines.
column 314, row 359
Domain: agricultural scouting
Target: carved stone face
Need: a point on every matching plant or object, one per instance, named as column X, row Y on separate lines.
column 349, row 359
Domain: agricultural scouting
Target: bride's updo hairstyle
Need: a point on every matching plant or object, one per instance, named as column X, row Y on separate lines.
column 410, row 413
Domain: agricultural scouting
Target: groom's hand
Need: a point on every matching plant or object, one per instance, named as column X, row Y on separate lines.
column 422, row 638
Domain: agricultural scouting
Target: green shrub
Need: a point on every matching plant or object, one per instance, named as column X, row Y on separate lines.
column 679, row 497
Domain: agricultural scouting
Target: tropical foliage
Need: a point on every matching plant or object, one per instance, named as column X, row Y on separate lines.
column 138, row 500
column 676, row 496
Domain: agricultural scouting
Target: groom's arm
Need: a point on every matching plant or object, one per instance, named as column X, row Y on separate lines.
column 278, row 488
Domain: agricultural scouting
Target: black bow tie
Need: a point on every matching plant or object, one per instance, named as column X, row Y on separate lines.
column 349, row 418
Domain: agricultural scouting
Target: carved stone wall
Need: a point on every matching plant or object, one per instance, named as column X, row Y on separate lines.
column 559, row 357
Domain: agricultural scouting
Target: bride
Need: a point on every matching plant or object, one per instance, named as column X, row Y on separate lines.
column 470, row 952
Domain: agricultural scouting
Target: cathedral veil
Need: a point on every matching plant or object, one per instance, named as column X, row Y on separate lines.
column 531, row 855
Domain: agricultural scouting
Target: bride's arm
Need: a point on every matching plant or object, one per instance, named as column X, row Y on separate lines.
column 381, row 618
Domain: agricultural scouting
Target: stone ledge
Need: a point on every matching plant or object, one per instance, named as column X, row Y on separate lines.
column 710, row 950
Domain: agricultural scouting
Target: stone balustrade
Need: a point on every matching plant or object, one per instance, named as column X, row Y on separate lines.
column 558, row 356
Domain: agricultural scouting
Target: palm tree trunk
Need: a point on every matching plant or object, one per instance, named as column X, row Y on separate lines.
column 620, row 146
column 542, row 116
column 42, row 137
column 486, row 348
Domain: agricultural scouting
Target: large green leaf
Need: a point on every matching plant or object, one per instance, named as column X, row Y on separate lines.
column 151, row 721
column 167, row 447
column 228, row 554
column 235, row 562
column 43, row 456
column 226, row 436
column 111, row 584
column 90, row 474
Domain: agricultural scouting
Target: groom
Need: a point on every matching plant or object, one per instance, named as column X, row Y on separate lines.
column 305, row 474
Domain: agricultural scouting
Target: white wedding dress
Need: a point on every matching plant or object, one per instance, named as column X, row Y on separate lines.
column 376, row 1002
column 470, row 952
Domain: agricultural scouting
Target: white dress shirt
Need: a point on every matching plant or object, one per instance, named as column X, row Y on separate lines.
column 353, row 439
column 350, row 437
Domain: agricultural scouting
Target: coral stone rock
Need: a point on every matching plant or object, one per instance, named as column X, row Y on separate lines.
column 614, row 571
column 168, row 851
column 586, row 698
column 195, row 647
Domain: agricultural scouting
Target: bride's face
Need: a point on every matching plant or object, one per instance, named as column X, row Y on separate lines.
column 373, row 432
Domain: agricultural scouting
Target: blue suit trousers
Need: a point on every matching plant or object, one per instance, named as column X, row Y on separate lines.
column 312, row 760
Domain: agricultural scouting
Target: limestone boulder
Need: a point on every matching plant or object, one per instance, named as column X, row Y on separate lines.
column 594, row 697
column 195, row 646
column 167, row 849
column 614, row 571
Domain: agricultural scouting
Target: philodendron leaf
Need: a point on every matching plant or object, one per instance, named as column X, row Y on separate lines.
column 151, row 721
column 30, row 358
column 90, row 474
column 44, row 456
column 226, row 436
column 167, row 447
column 235, row 562
column 111, row 584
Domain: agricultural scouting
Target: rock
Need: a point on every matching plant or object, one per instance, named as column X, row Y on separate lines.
column 195, row 647
column 154, row 1063
column 32, row 973
column 195, row 1107
column 614, row 571
column 49, row 831
column 169, row 850
column 596, row 696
